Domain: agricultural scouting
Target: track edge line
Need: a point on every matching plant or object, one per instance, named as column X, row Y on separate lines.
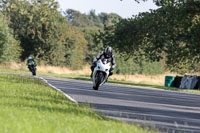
column 50, row 85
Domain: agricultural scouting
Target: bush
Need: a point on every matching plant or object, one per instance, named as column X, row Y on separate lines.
column 152, row 68
column 131, row 66
column 10, row 49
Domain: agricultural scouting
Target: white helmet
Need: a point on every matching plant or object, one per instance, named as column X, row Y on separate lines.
column 29, row 57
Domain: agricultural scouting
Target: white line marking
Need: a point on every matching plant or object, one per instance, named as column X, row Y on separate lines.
column 70, row 98
column 36, row 77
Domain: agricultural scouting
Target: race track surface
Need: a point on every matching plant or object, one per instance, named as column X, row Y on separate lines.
column 168, row 111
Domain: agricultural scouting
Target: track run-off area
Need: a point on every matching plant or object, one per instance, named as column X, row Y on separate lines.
column 168, row 111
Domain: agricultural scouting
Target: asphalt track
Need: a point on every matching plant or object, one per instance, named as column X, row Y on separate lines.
column 168, row 111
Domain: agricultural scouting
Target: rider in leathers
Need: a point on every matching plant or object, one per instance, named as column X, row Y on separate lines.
column 108, row 54
column 30, row 59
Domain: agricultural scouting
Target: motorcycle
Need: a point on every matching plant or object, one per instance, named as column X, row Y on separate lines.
column 32, row 68
column 100, row 73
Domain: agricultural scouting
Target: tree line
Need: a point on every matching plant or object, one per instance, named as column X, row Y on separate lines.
column 37, row 28
column 168, row 36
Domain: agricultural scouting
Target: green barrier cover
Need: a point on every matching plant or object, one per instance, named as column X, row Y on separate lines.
column 169, row 80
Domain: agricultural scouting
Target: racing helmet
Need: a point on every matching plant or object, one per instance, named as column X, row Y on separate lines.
column 29, row 57
column 108, row 51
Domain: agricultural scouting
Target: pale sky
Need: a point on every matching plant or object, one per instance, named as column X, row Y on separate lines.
column 125, row 8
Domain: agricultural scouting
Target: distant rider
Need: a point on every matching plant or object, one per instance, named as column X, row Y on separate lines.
column 30, row 62
column 108, row 54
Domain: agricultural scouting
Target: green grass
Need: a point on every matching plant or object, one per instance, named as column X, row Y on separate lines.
column 30, row 106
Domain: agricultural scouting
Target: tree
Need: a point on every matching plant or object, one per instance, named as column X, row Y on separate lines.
column 95, row 19
column 43, row 31
column 34, row 25
column 77, row 19
column 9, row 47
column 109, row 19
column 93, row 47
column 90, row 24
column 170, row 33
column 76, row 48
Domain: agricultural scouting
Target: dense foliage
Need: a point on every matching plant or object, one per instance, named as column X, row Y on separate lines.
column 132, row 66
column 167, row 36
column 91, row 20
column 44, row 32
column 9, row 47
column 170, row 33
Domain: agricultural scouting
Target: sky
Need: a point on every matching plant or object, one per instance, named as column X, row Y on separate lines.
column 125, row 8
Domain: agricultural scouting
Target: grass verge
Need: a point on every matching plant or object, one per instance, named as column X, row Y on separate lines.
column 30, row 106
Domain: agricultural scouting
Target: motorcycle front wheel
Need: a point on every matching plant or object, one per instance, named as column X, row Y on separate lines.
column 98, row 79
column 33, row 72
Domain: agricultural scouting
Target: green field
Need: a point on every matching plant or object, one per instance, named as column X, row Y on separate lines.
column 30, row 106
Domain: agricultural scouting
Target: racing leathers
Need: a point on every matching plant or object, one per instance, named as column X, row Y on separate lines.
column 102, row 56
column 30, row 63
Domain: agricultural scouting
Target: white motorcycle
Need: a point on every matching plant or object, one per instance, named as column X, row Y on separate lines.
column 100, row 73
